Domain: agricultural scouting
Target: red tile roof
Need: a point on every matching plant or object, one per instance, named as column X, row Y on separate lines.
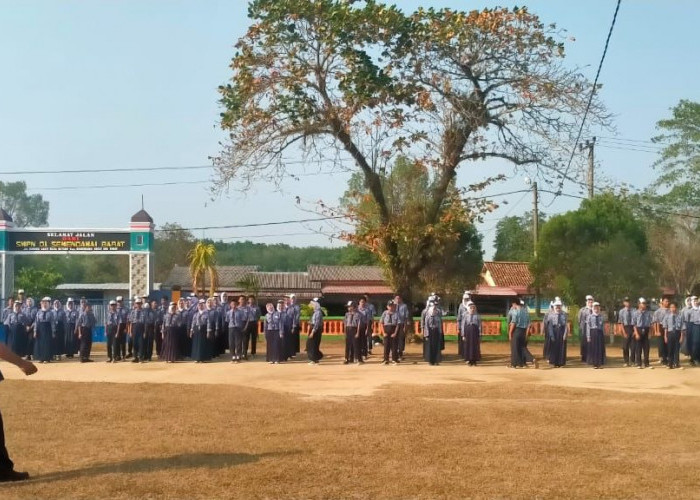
column 357, row 290
column 514, row 275
column 346, row 273
column 494, row 291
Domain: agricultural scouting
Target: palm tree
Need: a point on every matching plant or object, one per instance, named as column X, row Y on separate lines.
column 202, row 259
column 249, row 284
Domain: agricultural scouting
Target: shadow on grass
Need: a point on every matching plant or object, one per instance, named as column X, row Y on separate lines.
column 172, row 463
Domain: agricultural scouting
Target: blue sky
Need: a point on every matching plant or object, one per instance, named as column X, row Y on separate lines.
column 132, row 84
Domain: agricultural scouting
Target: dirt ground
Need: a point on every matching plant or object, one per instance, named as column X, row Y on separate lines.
column 253, row 430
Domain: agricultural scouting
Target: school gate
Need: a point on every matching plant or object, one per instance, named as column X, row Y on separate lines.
column 136, row 242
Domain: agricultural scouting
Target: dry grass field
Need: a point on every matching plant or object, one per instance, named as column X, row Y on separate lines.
column 259, row 431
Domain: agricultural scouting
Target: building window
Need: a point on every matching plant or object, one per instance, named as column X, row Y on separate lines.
column 139, row 239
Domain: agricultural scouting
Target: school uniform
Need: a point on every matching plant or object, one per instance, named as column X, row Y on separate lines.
column 404, row 316
column 123, row 315
column 160, row 316
column 556, row 332
column 236, row 320
column 470, row 328
column 582, row 319
column 58, row 344
column 694, row 335
column 252, row 330
column 625, row 318
column 369, row 332
column 16, row 331
column 137, row 320
column 111, row 325
column 673, row 326
column 642, row 322
column 519, row 355
column 686, row 345
column 545, row 332
column 433, row 334
column 595, row 335
column 200, row 334
column 658, row 319
column 461, row 311
column 170, row 350
column 150, row 317
column 273, row 336
column 294, row 312
column 71, row 339
column 44, row 328
column 353, row 338
column 313, row 341
column 390, row 323
column 183, row 334
column 5, row 313
column 362, row 329
column 30, row 313
column 213, row 324
column 86, row 323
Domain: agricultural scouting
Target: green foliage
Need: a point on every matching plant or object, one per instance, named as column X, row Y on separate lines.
column 514, row 238
column 250, row 285
column 202, row 262
column 25, row 210
column 282, row 257
column 80, row 268
column 37, row 283
column 307, row 311
column 172, row 243
column 600, row 249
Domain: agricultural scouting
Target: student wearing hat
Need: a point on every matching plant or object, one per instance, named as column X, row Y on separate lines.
column 44, row 332
column 595, row 335
column 160, row 315
column 183, row 335
column 111, row 324
column 71, row 344
column 213, row 323
column 237, row 317
column 461, row 311
column 30, row 311
column 313, row 341
column 685, row 315
column 251, row 329
column 58, row 345
column 657, row 324
column 150, row 318
column 673, row 335
column 389, row 322
column 16, row 330
column 470, row 331
column 583, row 326
column 642, row 324
column 294, row 312
column 625, row 317
column 353, row 347
column 137, row 330
column 86, row 324
column 370, row 337
column 5, row 312
column 363, row 329
column 201, row 334
column 170, row 348
column 557, row 331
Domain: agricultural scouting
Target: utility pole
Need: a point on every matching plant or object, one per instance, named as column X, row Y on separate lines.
column 535, row 234
column 590, row 145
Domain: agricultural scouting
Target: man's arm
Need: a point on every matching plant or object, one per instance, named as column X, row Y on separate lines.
column 26, row 366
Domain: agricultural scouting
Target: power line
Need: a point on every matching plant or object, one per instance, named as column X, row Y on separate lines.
column 590, row 98
column 621, row 148
column 623, row 139
column 108, row 186
column 240, row 226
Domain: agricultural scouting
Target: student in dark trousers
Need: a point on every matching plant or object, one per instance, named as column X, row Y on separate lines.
column 693, row 332
column 7, row 467
column 642, row 324
column 673, row 336
column 122, row 328
column 471, row 335
column 518, row 325
column 150, row 317
column 160, row 315
column 16, row 329
column 353, row 347
column 657, row 324
column 595, row 333
column 389, row 323
column 558, row 332
column 625, row 317
column 404, row 316
column 237, row 320
column 59, row 339
column 364, row 313
column 685, row 314
column 294, row 311
column 111, row 324
column 137, row 329
column 461, row 311
column 71, row 320
column 252, row 327
column 583, row 325
column 313, row 341
column 86, row 323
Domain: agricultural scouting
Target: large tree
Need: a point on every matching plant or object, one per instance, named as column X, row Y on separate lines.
column 37, row 283
column 172, row 242
column 202, row 263
column 515, row 238
column 25, row 210
column 363, row 81
column 600, row 249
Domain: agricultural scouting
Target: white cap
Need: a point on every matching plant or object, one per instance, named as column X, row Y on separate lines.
column 119, row 298
column 470, row 303
column 596, row 304
column 556, row 302
column 70, row 299
column 223, row 294
column 589, row 297
column 202, row 301
column 21, row 290
column 138, row 300
column 350, row 303
column 315, row 299
column 466, row 295
column 112, row 302
column 292, row 296
column 642, row 300
column 46, row 299
column 522, row 302
column 694, row 297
